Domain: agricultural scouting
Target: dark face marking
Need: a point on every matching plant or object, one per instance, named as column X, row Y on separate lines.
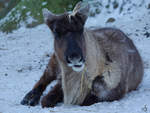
column 69, row 41
column 70, row 46
column 74, row 46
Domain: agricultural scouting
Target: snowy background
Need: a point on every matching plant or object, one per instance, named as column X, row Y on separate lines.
column 25, row 53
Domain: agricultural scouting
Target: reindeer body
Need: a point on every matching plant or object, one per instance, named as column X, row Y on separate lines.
column 121, row 72
column 90, row 65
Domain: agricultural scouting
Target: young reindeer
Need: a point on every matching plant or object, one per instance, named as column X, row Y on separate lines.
column 90, row 65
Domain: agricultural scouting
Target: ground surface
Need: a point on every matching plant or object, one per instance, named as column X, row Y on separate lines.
column 25, row 52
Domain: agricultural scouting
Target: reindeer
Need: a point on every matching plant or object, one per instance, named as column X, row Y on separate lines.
column 90, row 65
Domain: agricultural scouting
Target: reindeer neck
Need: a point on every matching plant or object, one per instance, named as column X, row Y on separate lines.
column 71, row 84
column 95, row 58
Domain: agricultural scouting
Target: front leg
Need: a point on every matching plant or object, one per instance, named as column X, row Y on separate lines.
column 32, row 98
column 90, row 99
column 53, row 97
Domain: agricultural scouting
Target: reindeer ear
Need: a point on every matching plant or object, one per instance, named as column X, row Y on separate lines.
column 49, row 18
column 82, row 10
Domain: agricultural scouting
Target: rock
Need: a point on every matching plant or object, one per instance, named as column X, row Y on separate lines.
column 110, row 20
column 148, row 6
column 147, row 34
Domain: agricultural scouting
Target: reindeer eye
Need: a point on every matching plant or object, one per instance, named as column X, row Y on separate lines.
column 59, row 32
column 59, row 35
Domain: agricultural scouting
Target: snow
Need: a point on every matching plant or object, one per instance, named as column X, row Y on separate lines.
column 44, row 3
column 25, row 53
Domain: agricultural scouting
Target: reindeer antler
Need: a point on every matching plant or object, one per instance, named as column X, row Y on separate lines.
column 77, row 7
column 82, row 9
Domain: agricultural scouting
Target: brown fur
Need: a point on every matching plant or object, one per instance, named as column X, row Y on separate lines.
column 113, row 65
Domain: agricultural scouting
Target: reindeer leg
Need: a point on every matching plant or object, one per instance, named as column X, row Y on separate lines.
column 90, row 99
column 100, row 92
column 53, row 97
column 32, row 98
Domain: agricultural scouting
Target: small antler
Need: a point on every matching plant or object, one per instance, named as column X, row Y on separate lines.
column 77, row 7
column 81, row 9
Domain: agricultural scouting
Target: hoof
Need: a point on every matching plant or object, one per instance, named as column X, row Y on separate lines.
column 49, row 101
column 32, row 98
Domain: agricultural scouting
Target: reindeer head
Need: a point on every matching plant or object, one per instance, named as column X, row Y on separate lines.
column 69, row 41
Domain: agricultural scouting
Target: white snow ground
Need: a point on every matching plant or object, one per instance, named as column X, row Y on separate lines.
column 25, row 52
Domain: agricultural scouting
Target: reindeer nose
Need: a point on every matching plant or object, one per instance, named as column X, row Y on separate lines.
column 74, row 57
